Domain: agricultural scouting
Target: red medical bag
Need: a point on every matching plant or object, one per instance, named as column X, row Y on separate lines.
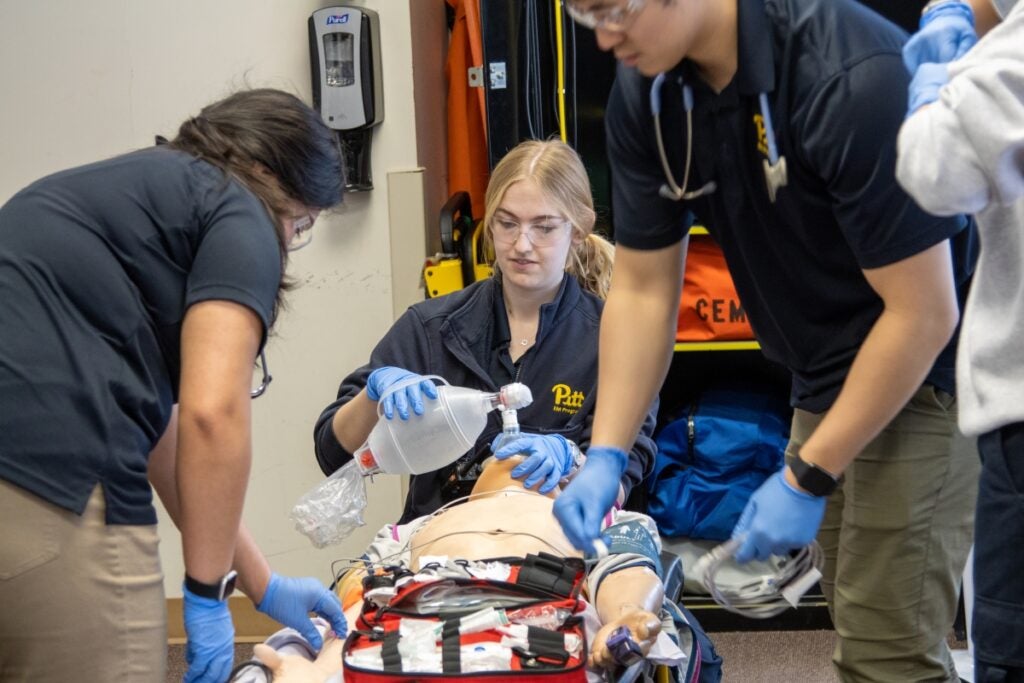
column 536, row 581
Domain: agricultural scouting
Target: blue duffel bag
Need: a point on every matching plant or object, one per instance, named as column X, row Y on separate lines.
column 713, row 458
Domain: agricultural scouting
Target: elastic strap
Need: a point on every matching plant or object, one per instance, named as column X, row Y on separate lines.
column 389, row 654
column 547, row 644
column 451, row 656
column 548, row 573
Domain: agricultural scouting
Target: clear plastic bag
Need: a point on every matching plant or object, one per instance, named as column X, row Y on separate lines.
column 333, row 509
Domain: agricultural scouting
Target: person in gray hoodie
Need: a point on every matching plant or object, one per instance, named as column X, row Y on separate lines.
column 961, row 149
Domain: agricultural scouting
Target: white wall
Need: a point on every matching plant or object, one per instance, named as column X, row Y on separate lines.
column 83, row 81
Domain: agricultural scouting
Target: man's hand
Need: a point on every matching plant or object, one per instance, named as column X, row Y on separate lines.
column 290, row 600
column 777, row 519
column 946, row 33
column 210, row 651
column 590, row 495
column 548, row 458
column 382, row 380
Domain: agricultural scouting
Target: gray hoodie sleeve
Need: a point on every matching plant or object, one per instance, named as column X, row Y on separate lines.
column 1004, row 6
column 965, row 151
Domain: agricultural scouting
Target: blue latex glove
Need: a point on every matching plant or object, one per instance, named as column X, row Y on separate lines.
column 290, row 600
column 548, row 458
column 777, row 519
column 946, row 33
column 210, row 652
column 590, row 495
column 924, row 87
column 382, row 379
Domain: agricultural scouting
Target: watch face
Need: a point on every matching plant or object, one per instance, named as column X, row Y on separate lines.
column 813, row 479
column 228, row 584
column 215, row 591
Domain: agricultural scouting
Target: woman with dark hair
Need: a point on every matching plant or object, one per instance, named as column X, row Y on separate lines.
column 135, row 295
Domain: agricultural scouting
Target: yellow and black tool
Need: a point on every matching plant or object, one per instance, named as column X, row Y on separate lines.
column 462, row 260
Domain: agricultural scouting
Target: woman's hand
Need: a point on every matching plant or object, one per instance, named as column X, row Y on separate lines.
column 210, row 651
column 290, row 600
column 382, row 380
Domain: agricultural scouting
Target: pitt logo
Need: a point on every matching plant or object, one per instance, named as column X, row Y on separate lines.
column 567, row 400
column 762, row 134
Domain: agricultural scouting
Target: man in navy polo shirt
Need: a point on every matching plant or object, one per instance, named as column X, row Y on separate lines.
column 774, row 123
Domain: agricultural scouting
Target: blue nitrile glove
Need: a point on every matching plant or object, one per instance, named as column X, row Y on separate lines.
column 290, row 600
column 590, row 495
column 549, row 458
column 777, row 519
column 210, row 652
column 924, row 87
column 946, row 33
column 382, row 379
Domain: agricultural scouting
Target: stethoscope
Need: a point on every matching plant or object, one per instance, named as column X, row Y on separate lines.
column 775, row 175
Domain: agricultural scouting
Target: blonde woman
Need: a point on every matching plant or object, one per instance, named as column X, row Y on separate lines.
column 536, row 322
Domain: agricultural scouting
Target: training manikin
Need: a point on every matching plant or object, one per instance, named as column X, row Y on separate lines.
column 502, row 519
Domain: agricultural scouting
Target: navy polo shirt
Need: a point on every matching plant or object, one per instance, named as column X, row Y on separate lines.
column 98, row 266
column 837, row 88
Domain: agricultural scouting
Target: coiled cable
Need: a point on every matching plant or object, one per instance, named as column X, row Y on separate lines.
column 770, row 594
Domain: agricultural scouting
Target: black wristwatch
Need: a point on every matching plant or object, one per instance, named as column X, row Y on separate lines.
column 812, row 478
column 215, row 591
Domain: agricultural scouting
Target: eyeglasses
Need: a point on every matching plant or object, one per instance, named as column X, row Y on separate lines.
column 545, row 234
column 614, row 19
column 265, row 380
column 303, row 235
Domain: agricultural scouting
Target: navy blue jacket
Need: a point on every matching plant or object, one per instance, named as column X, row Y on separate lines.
column 460, row 337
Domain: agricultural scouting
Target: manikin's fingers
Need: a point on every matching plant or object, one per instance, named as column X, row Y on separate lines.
column 267, row 655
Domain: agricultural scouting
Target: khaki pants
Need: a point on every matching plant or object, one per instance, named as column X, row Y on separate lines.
column 896, row 536
column 79, row 600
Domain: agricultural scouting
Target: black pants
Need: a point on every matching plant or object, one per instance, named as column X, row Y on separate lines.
column 998, row 625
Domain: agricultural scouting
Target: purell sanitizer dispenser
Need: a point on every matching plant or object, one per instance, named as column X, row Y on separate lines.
column 344, row 53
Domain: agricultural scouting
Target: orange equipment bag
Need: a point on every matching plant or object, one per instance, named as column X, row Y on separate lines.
column 710, row 309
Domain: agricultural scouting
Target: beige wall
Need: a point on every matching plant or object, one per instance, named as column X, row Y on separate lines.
column 82, row 81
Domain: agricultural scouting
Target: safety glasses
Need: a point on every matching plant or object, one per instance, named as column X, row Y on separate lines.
column 303, row 235
column 615, row 18
column 545, row 234
column 265, row 380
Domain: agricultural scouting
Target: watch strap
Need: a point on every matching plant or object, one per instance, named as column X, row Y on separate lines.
column 220, row 590
column 811, row 478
